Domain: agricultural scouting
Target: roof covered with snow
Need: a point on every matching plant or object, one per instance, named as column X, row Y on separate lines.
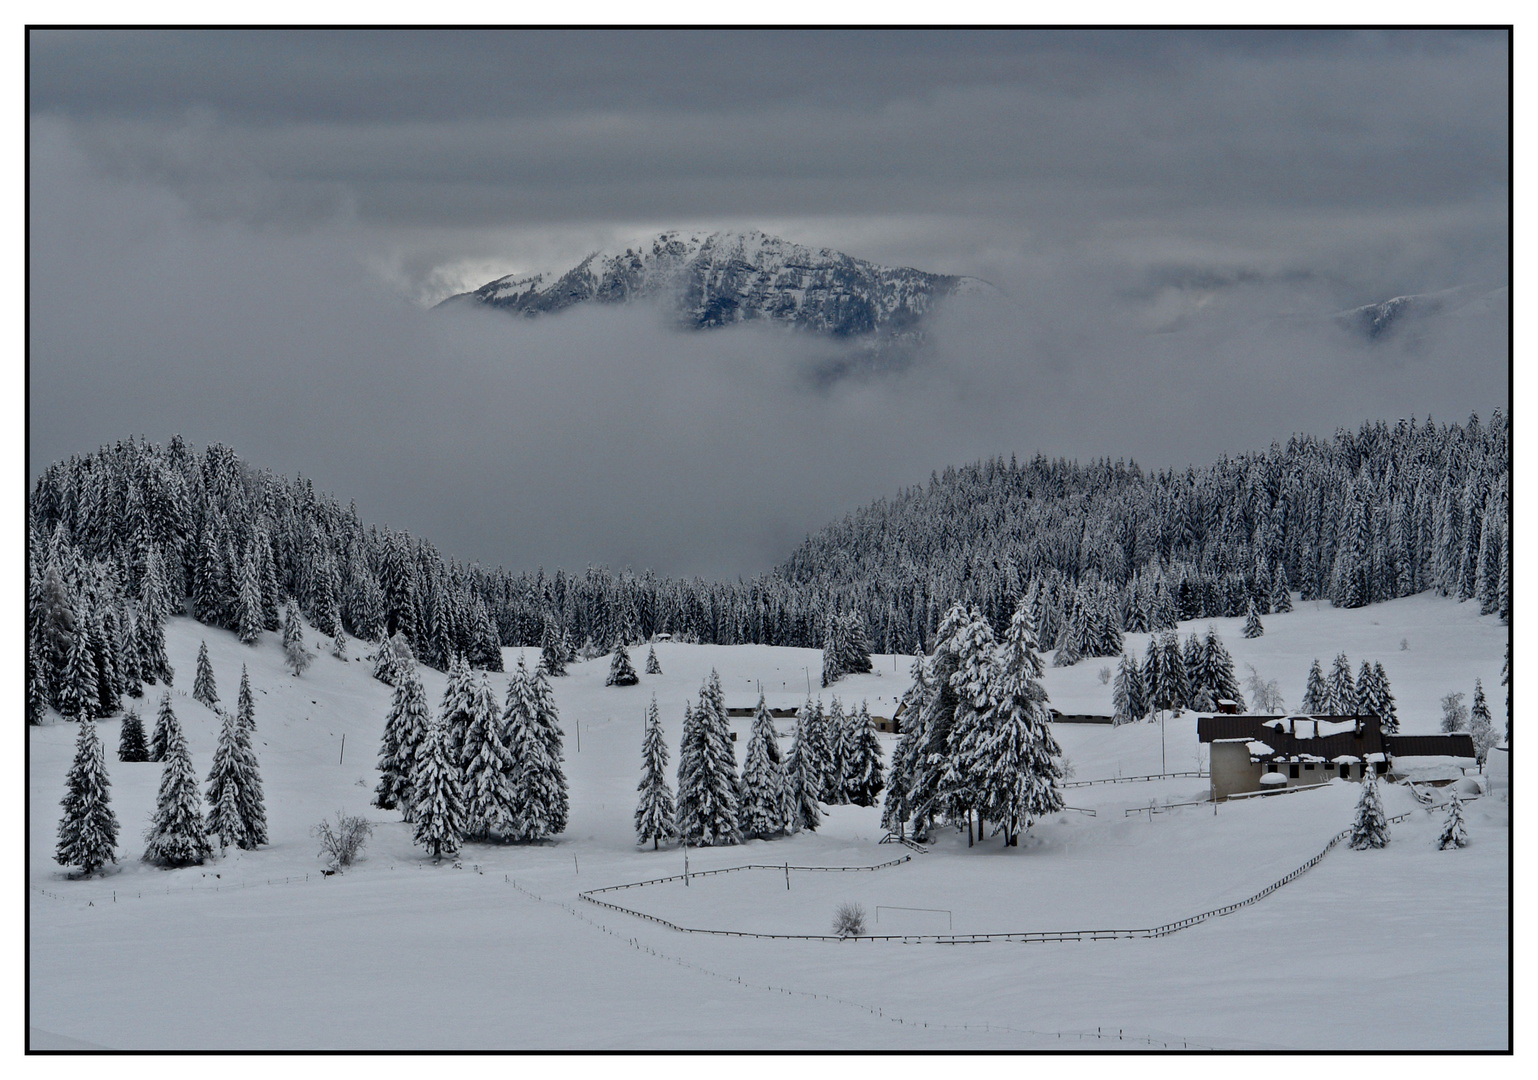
column 1326, row 738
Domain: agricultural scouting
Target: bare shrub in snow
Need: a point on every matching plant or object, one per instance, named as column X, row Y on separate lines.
column 1265, row 695
column 1404, row 644
column 1105, row 675
column 849, row 920
column 341, row 844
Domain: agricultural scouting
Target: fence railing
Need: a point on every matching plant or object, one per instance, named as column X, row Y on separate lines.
column 1159, row 808
column 1131, row 779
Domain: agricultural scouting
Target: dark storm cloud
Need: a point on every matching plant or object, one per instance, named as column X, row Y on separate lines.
column 224, row 225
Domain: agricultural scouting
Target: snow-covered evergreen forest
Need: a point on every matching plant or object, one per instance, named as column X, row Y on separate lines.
column 123, row 537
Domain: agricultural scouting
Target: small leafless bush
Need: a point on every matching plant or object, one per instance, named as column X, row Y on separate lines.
column 1105, row 675
column 849, row 920
column 341, row 843
column 1404, row 644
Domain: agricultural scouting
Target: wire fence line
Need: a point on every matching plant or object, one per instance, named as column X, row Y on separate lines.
column 1101, row 1035
column 1032, row 936
column 777, row 867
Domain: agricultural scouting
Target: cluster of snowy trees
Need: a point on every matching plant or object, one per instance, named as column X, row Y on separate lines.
column 1340, row 695
column 977, row 740
column 835, row 758
column 1195, row 677
column 179, row 831
column 477, row 770
column 1101, row 548
column 845, row 650
column 1474, row 719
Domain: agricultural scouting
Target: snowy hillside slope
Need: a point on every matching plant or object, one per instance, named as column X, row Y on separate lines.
column 400, row 953
column 717, row 279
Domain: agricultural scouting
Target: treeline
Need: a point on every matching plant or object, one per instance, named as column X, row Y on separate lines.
column 1102, row 549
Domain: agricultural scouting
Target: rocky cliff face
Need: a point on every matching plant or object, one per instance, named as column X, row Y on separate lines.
column 726, row 277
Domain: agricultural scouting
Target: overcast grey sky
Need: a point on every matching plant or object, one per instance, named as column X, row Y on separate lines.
column 233, row 235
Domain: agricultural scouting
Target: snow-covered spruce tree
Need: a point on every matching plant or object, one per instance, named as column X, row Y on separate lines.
column 961, row 779
column 1480, row 727
column 621, row 673
column 131, row 745
column 1165, row 672
column 245, row 704
column 132, row 672
column 455, row 710
column 833, row 651
column 488, row 770
column 863, row 775
column 707, row 775
column 404, row 732
column 248, row 611
column 1220, row 669
column 761, row 800
column 1281, row 590
column 1390, row 714
column 203, row 689
column 1316, row 696
column 652, row 667
column 438, row 811
column 854, row 658
column 176, row 836
column 553, row 651
column 803, row 777
column 1252, row 626
column 897, row 808
column 532, row 735
column 819, row 744
column 654, row 813
column 935, row 715
column 1121, row 691
column 1370, row 829
column 77, row 696
column 836, row 727
column 384, row 662
column 237, row 812
column 295, row 655
column 88, row 829
column 1342, row 689
column 37, row 687
column 165, row 723
column 1454, row 833
column 1021, row 766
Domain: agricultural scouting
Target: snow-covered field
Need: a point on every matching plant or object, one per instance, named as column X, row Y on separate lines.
column 1401, row 948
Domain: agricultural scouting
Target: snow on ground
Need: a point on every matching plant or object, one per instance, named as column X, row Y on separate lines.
column 496, row 951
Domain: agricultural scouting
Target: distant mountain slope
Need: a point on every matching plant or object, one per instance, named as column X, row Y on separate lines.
column 729, row 277
column 1384, row 320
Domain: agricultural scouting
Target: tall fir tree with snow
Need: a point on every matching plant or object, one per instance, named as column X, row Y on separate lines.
column 131, row 745
column 78, row 695
column 819, row 746
column 384, row 662
column 532, row 734
column 438, row 810
column 1369, row 696
column 1281, row 590
column 1165, row 673
column 966, row 754
column 295, row 655
column 88, row 828
column 1316, row 695
column 1342, row 689
column 176, row 836
column 833, row 651
column 761, row 799
column 837, row 733
column 1252, row 626
column 854, row 656
column 864, row 776
column 654, row 813
column 803, row 777
column 245, row 704
column 128, row 654
column 1021, row 760
column 203, row 689
column 553, row 653
column 652, row 667
column 490, row 801
column 898, row 807
column 165, row 723
column 1121, row 691
column 1199, row 692
column 237, row 809
column 1370, row 827
column 1390, row 713
column 1480, row 727
column 37, row 687
column 621, row 673
column 248, row 612
column 707, row 774
column 1455, row 833
column 405, row 730
column 1219, row 673
column 456, row 711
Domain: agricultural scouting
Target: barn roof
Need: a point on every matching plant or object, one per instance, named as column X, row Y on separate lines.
column 1337, row 736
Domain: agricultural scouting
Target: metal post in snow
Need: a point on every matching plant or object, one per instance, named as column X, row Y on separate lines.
column 578, row 724
column 344, row 748
column 787, row 876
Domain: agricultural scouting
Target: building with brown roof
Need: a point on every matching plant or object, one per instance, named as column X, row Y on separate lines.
column 1257, row 753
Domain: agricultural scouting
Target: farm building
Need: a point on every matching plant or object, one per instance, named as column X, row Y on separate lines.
column 1256, row 753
